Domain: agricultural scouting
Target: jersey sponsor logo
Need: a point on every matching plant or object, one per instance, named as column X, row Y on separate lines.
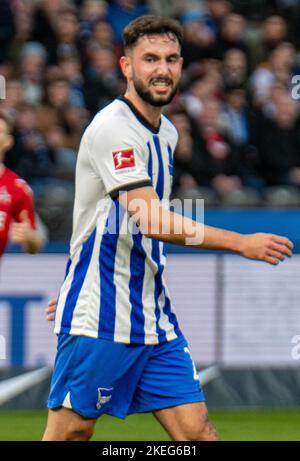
column 104, row 396
column 5, row 197
column 124, row 159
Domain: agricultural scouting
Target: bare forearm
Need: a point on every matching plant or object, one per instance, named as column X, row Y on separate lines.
column 157, row 222
column 221, row 239
column 180, row 230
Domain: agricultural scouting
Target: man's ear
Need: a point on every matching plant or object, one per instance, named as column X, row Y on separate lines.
column 125, row 64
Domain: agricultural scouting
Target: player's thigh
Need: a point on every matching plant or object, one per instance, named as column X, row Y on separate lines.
column 187, row 422
column 65, row 424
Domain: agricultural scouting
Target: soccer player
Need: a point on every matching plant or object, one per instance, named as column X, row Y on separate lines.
column 120, row 348
column 17, row 221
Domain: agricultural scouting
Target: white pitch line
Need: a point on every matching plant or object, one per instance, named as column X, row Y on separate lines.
column 12, row 387
column 208, row 374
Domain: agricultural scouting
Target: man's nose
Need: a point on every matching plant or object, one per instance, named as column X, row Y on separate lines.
column 163, row 68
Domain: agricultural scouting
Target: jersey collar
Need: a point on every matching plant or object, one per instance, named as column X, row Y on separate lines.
column 139, row 116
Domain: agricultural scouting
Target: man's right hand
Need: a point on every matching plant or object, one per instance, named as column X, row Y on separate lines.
column 51, row 309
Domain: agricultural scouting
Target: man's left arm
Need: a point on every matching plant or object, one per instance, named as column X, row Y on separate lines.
column 23, row 231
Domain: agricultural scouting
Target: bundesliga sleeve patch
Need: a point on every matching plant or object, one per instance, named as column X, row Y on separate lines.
column 124, row 159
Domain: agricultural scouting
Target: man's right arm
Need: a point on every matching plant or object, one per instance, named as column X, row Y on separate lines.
column 157, row 222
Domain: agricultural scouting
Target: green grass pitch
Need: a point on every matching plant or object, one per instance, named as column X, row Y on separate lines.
column 239, row 425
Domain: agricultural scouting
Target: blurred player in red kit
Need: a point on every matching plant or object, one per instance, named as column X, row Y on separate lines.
column 17, row 221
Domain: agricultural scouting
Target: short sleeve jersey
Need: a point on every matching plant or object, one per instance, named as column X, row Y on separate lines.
column 15, row 196
column 114, row 286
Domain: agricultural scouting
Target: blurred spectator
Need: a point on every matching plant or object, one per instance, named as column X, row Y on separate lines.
column 189, row 170
column 92, row 12
column 179, row 8
column 64, row 159
column 291, row 11
column 255, row 10
column 102, row 37
column 57, row 110
column 279, row 145
column 121, row 12
column 198, row 38
column 29, row 157
column 48, row 167
column 71, row 70
column 216, row 12
column 243, row 129
column 232, row 34
column 274, row 31
column 199, row 88
column 103, row 80
column 102, row 34
column 223, row 169
column 65, row 39
column 33, row 57
column 234, row 67
column 7, row 29
column 24, row 22
column 236, row 114
column 279, row 66
column 277, row 89
column 44, row 19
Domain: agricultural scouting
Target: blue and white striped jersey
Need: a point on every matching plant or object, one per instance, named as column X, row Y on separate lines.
column 114, row 286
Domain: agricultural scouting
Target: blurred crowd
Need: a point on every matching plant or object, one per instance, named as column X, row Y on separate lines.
column 237, row 110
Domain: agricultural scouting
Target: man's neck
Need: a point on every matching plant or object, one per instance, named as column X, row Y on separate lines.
column 2, row 168
column 152, row 114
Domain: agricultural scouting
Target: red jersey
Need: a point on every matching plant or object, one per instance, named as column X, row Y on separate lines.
column 15, row 196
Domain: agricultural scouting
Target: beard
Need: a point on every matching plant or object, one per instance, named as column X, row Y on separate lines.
column 155, row 101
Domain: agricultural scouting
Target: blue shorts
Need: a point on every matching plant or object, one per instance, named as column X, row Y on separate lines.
column 95, row 377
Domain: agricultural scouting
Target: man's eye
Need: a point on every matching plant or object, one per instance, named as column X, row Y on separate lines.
column 149, row 59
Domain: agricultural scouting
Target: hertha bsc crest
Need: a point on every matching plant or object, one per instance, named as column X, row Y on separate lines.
column 104, row 396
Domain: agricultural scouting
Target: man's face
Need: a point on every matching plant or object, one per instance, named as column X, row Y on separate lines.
column 274, row 28
column 58, row 93
column 155, row 68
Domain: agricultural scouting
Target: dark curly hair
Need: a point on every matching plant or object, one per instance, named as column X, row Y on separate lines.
column 151, row 25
